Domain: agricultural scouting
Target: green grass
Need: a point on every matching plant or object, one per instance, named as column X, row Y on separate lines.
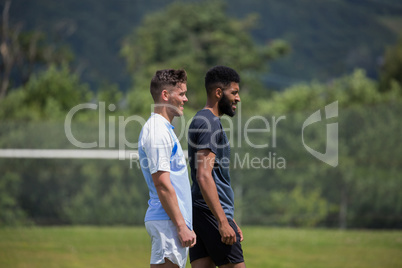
column 263, row 247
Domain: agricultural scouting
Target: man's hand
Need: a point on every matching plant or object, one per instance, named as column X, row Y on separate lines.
column 186, row 236
column 228, row 235
column 240, row 232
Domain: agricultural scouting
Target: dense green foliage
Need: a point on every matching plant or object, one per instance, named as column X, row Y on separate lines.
column 277, row 184
column 48, row 95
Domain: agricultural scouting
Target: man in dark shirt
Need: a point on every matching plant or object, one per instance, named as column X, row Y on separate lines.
column 218, row 236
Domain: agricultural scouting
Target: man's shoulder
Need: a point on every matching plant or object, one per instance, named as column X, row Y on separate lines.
column 156, row 124
column 204, row 118
column 155, row 129
column 205, row 113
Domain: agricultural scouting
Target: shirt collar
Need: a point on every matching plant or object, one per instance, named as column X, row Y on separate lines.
column 164, row 119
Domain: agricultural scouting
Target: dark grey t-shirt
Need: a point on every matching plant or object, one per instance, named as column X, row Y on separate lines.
column 206, row 132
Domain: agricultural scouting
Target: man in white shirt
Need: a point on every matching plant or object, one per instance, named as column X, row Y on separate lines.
column 168, row 219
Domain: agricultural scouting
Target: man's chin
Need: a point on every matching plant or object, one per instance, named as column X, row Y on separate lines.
column 179, row 114
column 231, row 114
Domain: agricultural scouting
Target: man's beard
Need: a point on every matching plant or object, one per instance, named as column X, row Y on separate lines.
column 225, row 106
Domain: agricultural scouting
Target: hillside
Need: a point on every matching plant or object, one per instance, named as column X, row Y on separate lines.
column 328, row 38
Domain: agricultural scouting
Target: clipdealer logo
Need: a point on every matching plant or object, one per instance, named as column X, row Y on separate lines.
column 330, row 156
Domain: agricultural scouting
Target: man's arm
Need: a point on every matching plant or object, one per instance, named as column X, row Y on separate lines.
column 168, row 198
column 205, row 162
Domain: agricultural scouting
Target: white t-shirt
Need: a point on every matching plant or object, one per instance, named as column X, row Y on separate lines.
column 160, row 150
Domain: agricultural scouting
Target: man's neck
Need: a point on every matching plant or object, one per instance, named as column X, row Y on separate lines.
column 213, row 107
column 161, row 111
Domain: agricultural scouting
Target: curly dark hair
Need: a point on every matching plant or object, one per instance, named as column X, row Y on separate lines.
column 166, row 78
column 220, row 77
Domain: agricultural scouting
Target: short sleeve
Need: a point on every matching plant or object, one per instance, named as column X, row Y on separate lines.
column 158, row 149
column 204, row 133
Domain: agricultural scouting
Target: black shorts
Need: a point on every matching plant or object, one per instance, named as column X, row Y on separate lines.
column 209, row 240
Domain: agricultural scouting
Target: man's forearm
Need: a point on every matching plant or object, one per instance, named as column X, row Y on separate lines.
column 211, row 197
column 209, row 192
column 167, row 197
column 170, row 204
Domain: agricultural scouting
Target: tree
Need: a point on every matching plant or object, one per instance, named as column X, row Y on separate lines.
column 194, row 36
column 391, row 70
column 47, row 95
column 23, row 52
column 6, row 54
column 10, row 209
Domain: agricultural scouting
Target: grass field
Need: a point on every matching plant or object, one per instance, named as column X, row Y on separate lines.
column 263, row 247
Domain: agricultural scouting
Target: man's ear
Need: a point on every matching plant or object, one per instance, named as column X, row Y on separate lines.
column 218, row 93
column 165, row 95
